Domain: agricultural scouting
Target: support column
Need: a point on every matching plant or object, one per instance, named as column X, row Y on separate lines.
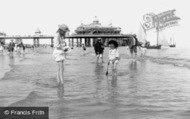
column 51, row 42
column 120, row 41
column 34, row 42
column 94, row 41
column 87, row 42
column 77, row 42
column 72, row 42
column 80, row 42
column 85, row 39
column 38, row 42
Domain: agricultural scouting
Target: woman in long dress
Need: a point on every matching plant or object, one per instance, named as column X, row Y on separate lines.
column 60, row 49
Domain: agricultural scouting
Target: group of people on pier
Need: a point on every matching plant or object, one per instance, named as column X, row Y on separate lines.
column 60, row 49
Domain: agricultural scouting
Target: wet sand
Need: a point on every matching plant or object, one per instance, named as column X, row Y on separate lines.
column 145, row 89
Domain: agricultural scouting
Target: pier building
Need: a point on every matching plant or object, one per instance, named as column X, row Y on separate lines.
column 88, row 33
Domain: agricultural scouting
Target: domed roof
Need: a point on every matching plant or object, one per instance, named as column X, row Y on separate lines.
column 95, row 18
column 96, row 27
column 37, row 30
column 95, row 21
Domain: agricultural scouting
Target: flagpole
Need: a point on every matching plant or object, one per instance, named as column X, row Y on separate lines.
column 157, row 29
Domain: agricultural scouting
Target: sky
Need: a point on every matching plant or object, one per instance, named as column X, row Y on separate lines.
column 23, row 17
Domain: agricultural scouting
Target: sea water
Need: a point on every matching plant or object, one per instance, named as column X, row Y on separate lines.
column 156, row 86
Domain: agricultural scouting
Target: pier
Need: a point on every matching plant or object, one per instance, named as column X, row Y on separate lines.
column 36, row 39
column 86, row 34
column 76, row 40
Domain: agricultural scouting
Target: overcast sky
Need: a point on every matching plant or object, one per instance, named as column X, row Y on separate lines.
column 23, row 17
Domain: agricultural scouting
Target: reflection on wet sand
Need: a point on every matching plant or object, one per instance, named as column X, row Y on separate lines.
column 137, row 90
column 114, row 79
column 60, row 91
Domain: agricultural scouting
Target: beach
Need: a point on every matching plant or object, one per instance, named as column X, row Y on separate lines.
column 153, row 87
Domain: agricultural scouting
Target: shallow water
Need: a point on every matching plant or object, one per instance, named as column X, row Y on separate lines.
column 154, row 87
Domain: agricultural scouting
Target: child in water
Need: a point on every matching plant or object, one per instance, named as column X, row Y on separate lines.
column 143, row 50
column 113, row 54
column 59, row 52
column 84, row 49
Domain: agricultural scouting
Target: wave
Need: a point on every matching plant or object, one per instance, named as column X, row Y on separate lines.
column 5, row 67
column 8, row 64
column 32, row 98
column 178, row 62
column 4, row 71
column 47, row 83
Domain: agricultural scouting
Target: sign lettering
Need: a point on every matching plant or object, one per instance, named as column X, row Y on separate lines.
column 161, row 20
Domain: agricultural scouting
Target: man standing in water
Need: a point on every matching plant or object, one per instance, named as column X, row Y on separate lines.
column 99, row 49
column 11, row 47
column 133, row 43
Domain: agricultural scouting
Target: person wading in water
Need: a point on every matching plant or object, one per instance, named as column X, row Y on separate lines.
column 99, row 49
column 60, row 49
